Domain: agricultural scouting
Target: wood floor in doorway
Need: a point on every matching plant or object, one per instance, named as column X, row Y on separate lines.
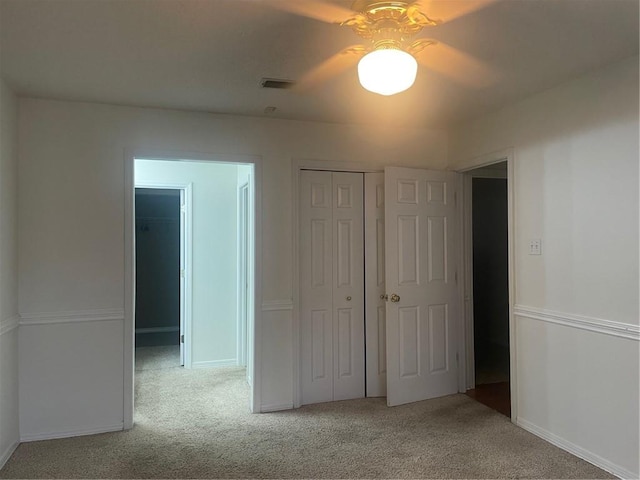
column 494, row 395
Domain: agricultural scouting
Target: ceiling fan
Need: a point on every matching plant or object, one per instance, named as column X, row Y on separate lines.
column 388, row 61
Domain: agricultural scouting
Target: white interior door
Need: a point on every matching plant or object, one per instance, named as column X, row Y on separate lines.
column 422, row 311
column 375, row 285
column 183, row 267
column 331, row 286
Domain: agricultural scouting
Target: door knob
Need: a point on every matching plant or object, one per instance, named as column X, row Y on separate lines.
column 348, row 298
column 395, row 298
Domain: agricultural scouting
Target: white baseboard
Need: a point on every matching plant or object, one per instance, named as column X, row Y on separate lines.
column 156, row 330
column 277, row 305
column 72, row 433
column 230, row 362
column 276, row 407
column 6, row 455
column 576, row 450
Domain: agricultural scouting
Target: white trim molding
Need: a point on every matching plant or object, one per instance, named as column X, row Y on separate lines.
column 486, row 160
column 574, row 449
column 276, row 407
column 157, row 330
column 591, row 324
column 6, row 455
column 277, row 305
column 229, row 362
column 72, row 433
column 9, row 324
column 467, row 377
column 80, row 316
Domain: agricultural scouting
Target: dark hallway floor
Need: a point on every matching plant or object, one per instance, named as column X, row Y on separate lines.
column 493, row 395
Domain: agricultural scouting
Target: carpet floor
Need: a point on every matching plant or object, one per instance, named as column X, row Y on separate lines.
column 155, row 358
column 196, row 424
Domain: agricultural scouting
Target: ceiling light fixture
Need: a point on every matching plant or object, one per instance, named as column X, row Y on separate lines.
column 387, row 71
column 389, row 67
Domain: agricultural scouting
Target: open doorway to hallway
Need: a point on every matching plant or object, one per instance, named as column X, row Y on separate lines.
column 487, row 189
column 194, row 268
column 159, row 307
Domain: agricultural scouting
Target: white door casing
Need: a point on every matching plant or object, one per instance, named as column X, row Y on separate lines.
column 252, row 278
column 243, row 274
column 331, row 286
column 183, row 270
column 375, row 309
column 420, row 258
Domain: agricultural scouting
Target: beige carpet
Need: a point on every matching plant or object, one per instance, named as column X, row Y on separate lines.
column 196, row 424
column 153, row 358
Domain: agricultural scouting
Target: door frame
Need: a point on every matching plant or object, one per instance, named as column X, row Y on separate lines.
column 244, row 244
column 467, row 368
column 296, row 166
column 186, row 246
column 129, row 265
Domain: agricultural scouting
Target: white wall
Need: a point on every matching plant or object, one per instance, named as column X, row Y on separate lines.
column 9, row 434
column 576, row 181
column 576, row 186
column 214, row 253
column 71, row 211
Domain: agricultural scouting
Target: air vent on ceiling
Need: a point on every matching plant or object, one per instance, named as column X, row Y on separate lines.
column 276, row 83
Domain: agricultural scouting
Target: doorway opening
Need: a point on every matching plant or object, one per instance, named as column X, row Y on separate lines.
column 192, row 226
column 160, row 290
column 487, row 229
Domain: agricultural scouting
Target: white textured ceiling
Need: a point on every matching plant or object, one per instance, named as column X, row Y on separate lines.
column 210, row 55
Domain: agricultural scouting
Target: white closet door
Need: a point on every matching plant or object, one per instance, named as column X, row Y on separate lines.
column 348, row 286
column 331, row 286
column 316, row 286
column 375, row 285
column 422, row 312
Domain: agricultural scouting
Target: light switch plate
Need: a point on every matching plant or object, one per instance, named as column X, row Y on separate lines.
column 535, row 247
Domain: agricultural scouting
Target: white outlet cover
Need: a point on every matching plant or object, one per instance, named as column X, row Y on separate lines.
column 535, row 246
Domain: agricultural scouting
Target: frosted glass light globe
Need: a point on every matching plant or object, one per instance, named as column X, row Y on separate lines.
column 387, row 71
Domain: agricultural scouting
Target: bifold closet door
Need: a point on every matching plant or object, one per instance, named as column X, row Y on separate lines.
column 375, row 307
column 331, row 286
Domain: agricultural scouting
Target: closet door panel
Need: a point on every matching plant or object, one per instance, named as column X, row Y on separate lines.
column 316, row 286
column 375, row 310
column 348, row 286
